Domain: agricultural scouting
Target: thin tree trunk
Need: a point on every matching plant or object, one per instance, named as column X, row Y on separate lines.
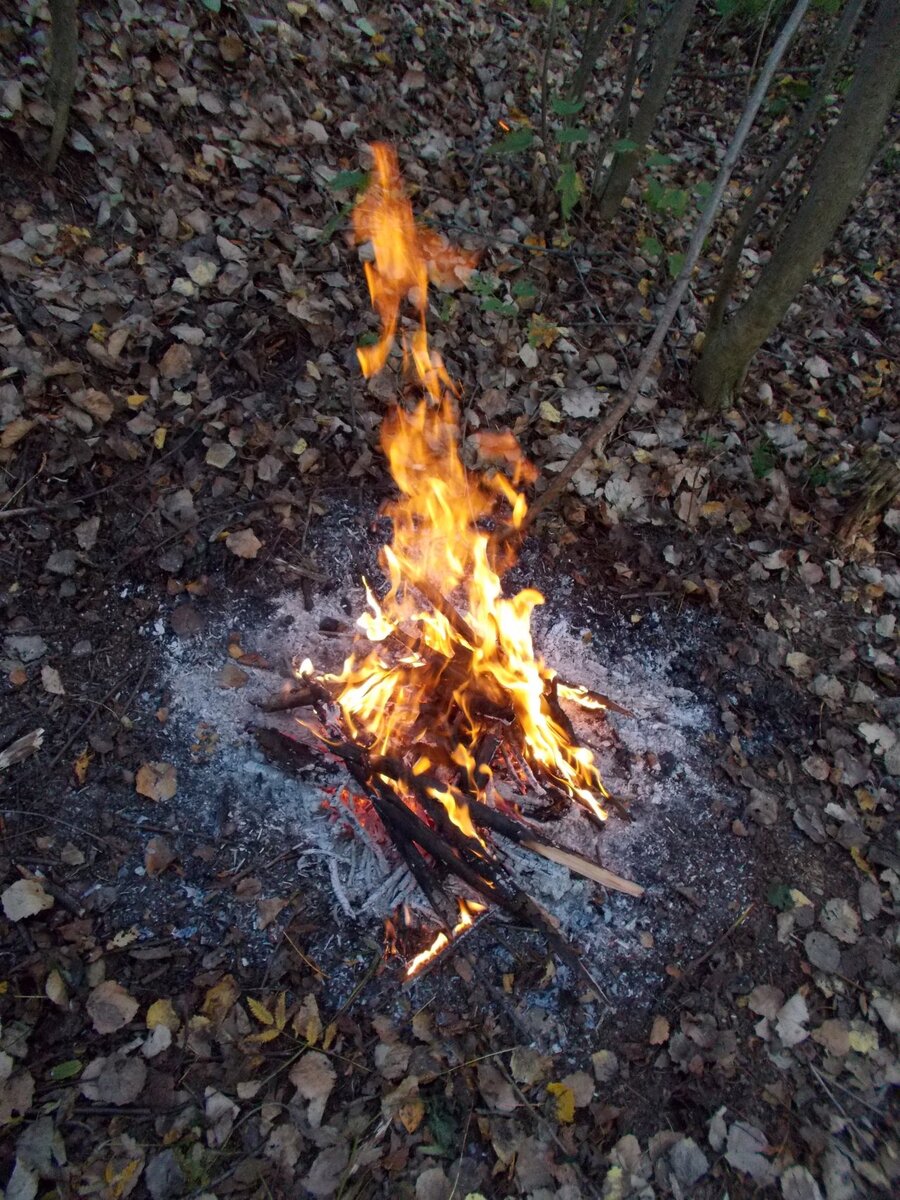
column 596, row 436
column 837, row 46
column 667, row 45
column 545, row 69
column 63, row 70
column 594, row 41
column 837, row 176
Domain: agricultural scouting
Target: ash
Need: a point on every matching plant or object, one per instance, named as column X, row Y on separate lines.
column 662, row 761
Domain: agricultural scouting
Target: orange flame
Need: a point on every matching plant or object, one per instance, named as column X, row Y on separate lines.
column 468, row 911
column 421, row 671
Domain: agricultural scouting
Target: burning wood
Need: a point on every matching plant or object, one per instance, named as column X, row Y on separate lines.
column 442, row 678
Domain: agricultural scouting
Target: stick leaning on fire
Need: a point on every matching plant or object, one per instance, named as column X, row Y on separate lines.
column 434, row 692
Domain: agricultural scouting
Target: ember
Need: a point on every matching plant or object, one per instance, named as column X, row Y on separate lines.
column 443, row 713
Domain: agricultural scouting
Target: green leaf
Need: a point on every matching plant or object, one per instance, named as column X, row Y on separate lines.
column 569, row 186
column 213, row 6
column 675, row 262
column 345, row 180
column 524, row 289
column 68, row 1070
column 483, row 285
column 515, row 142
column 364, row 25
column 762, row 460
column 624, row 146
column 779, row 896
column 653, row 193
column 368, row 339
column 651, row 248
column 564, row 136
column 675, row 200
column 492, row 304
column 660, row 160
column 566, row 108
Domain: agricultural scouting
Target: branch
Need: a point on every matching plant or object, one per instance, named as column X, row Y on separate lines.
column 605, row 427
column 836, row 49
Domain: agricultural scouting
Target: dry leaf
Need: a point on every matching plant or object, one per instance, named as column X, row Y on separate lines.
column 156, row 780
column 25, row 898
column 565, row 1102
column 659, row 1033
column 231, row 676
column 157, row 856
column 244, row 543
column 110, row 1007
column 161, row 1012
column 313, row 1076
column 220, row 454
column 220, row 999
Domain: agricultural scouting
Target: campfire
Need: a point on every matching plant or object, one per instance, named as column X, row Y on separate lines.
column 455, row 731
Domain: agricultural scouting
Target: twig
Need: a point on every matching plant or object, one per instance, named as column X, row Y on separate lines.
column 545, row 68
column 605, row 427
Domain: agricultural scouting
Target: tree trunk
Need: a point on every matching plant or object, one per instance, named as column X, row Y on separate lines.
column 63, row 69
column 837, row 175
column 667, row 48
column 595, row 39
column 837, row 45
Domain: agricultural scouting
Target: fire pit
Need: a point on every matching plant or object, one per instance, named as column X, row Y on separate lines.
column 463, row 751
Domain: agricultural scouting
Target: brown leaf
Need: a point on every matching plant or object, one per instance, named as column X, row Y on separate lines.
column 244, row 543
column 497, row 1092
column 231, row 676
column 114, row 1080
column 110, row 1007
column 268, row 910
column 176, row 362
column 220, row 999
column 156, row 780
column 313, row 1076
column 659, row 1033
column 158, row 855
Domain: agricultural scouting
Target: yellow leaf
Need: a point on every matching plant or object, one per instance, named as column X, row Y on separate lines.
column 260, row 1011
column 300, row 446
column 80, row 765
column 866, row 800
column 863, row 1041
column 161, row 1012
column 136, row 399
column 281, row 1010
column 220, row 998
column 785, row 417
column 159, row 437
column 330, row 1035
column 857, row 856
column 265, row 1035
column 99, row 332
column 644, row 287
column 565, row 1101
column 411, row 1114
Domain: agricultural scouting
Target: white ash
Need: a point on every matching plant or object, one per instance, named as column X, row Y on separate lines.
column 673, row 838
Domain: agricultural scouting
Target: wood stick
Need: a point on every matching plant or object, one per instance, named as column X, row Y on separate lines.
column 583, row 866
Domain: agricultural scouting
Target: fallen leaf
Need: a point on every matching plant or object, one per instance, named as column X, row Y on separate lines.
column 25, row 898
column 565, row 1101
column 53, row 685
column 314, row 1077
column 156, row 780
column 220, row 454
column 791, row 1020
column 659, row 1033
column 115, row 1080
column 161, row 1012
column 746, row 1151
column 110, row 1007
column 220, row 999
column 244, row 543
column 231, row 676
column 158, row 855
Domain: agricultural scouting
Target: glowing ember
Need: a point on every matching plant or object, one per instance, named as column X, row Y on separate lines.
column 444, row 664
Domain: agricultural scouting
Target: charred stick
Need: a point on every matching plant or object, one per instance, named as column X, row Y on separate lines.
column 283, row 748
column 595, row 700
column 305, row 694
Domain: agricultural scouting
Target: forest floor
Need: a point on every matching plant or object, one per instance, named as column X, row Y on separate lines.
column 194, row 990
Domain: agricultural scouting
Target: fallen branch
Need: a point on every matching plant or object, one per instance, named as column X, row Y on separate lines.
column 604, row 428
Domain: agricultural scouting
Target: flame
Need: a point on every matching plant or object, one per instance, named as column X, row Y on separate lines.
column 444, row 620
column 468, row 911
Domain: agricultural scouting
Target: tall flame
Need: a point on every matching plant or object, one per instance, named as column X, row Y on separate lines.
column 444, row 620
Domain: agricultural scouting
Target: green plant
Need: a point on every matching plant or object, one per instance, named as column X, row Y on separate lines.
column 763, row 459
